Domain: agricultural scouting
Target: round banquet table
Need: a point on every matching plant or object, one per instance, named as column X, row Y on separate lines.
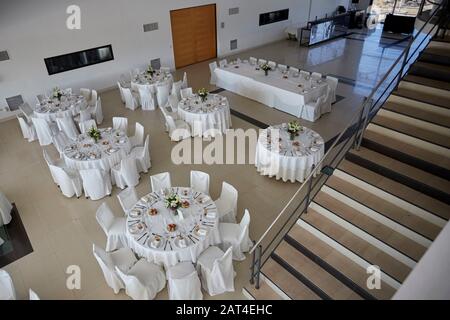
column 290, row 160
column 85, row 153
column 196, row 227
column 146, row 81
column 202, row 117
column 68, row 106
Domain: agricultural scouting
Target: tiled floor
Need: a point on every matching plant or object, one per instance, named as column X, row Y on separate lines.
column 62, row 230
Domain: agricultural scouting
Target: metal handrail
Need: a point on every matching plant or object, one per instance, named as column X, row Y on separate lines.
column 306, row 182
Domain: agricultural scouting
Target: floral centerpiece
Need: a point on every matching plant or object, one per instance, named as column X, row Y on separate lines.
column 294, row 128
column 150, row 71
column 203, row 94
column 173, row 203
column 57, row 93
column 94, row 134
column 266, row 68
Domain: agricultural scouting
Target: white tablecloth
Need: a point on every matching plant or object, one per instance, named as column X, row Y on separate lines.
column 170, row 249
column 144, row 80
column 85, row 153
column 214, row 113
column 277, row 90
column 290, row 160
column 69, row 106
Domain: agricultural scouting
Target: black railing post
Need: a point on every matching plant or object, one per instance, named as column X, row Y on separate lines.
column 308, row 195
column 368, row 107
column 358, row 127
column 252, row 268
column 258, row 264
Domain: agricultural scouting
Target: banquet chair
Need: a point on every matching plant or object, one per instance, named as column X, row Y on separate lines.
column 186, row 93
column 160, row 181
column 142, row 155
column 123, row 258
column 162, row 94
column 86, row 93
column 312, row 111
column 212, row 68
column 168, row 111
column 114, row 228
column 237, row 237
column 131, row 100
column 227, row 203
column 282, row 67
column 143, row 281
column 5, row 210
column 261, row 62
column 120, row 123
column 178, row 129
column 316, row 76
column 184, row 83
column 60, row 141
column 147, row 99
column 27, row 128
column 85, row 115
column 96, row 183
column 333, row 83
column 223, row 63
column 305, row 74
column 216, row 269
column 40, row 98
column 33, row 295
column 272, row 65
column 94, row 97
column 67, row 91
column 87, row 125
column 44, row 131
column 253, row 61
column 165, row 70
column 127, row 199
column 26, row 110
column 293, row 70
column 125, row 174
column 98, row 111
column 69, row 182
column 7, row 290
column 119, row 85
column 173, row 102
column 138, row 139
column 51, row 163
column 183, row 282
column 67, row 125
column 200, row 181
column 176, row 89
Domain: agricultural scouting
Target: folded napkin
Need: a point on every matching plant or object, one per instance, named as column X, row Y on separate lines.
column 314, row 149
column 211, row 215
column 155, row 243
column 202, row 232
column 182, row 243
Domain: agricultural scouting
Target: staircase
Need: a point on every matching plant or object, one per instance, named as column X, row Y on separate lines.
column 383, row 205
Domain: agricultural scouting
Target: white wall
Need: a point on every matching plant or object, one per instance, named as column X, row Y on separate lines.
column 32, row 30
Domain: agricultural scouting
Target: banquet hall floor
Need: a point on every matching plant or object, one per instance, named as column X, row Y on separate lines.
column 61, row 230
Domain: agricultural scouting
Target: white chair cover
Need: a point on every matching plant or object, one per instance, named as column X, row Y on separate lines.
column 142, row 155
column 162, row 94
column 126, row 173
column 96, row 183
column 333, row 83
column 121, row 92
column 87, row 125
column 27, row 111
column 60, row 141
column 223, row 63
column 85, row 115
column 5, row 209
column 294, row 70
column 186, row 93
column 7, row 291
column 183, row 282
column 304, row 73
column 27, row 129
column 217, row 271
column 178, row 129
column 33, row 295
column 282, row 67
column 51, row 163
column 227, row 203
column 86, row 93
column 70, row 184
column 98, row 111
column 120, row 123
column 173, row 102
column 212, row 68
column 176, row 88
column 314, row 110
column 147, row 99
column 130, row 99
column 272, row 65
column 200, row 181
column 185, row 81
column 127, row 199
column 67, row 125
column 237, row 237
column 316, row 76
column 143, row 281
column 43, row 131
column 138, row 139
column 160, row 181
column 94, row 97
column 113, row 227
column 123, row 258
column 40, row 98
column 261, row 62
column 253, row 61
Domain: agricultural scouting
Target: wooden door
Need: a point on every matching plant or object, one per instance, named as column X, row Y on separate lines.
column 194, row 34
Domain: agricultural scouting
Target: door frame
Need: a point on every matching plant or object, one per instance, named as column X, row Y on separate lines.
column 171, row 33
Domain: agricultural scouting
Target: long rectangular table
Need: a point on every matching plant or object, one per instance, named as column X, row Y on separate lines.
column 272, row 90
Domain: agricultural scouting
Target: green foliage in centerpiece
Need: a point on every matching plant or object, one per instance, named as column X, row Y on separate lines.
column 294, row 128
column 150, row 71
column 173, row 203
column 266, row 68
column 57, row 93
column 94, row 134
column 203, row 94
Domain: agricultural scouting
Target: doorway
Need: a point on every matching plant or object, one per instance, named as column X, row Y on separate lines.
column 194, row 34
